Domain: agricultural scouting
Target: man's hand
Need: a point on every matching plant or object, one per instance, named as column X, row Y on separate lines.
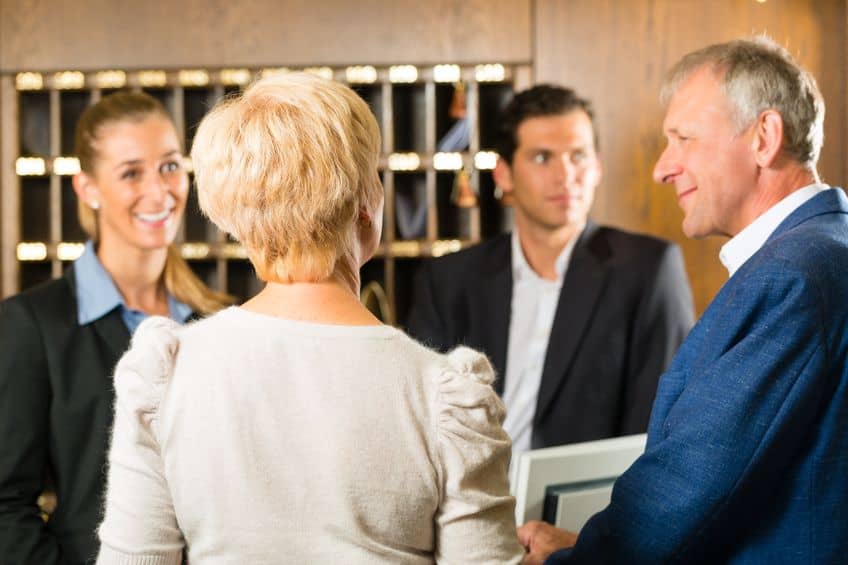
column 541, row 539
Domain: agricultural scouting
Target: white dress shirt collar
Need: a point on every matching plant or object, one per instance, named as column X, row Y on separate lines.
column 743, row 245
column 532, row 310
column 521, row 269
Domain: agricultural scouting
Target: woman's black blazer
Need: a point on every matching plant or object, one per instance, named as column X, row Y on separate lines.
column 56, row 403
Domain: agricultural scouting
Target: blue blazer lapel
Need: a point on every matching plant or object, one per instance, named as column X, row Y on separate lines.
column 827, row 202
column 583, row 285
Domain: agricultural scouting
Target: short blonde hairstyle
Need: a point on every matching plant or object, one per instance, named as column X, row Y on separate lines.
column 758, row 74
column 286, row 168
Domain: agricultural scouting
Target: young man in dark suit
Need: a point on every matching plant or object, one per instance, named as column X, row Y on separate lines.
column 578, row 319
column 747, row 454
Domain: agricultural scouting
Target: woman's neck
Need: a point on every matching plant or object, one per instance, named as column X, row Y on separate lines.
column 138, row 275
column 331, row 301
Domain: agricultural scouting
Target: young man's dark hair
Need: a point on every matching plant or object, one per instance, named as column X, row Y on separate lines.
column 541, row 100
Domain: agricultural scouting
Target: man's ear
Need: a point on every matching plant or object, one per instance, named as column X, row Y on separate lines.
column 86, row 190
column 599, row 168
column 768, row 138
column 502, row 175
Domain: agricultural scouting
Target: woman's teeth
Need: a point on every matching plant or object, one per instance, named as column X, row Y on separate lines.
column 153, row 218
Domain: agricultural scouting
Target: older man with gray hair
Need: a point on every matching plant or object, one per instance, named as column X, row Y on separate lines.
column 747, row 455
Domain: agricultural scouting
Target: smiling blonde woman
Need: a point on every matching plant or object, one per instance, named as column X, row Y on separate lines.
column 60, row 341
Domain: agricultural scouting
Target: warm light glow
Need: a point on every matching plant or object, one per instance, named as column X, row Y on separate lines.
column 66, row 166
column 194, row 250
column 445, row 246
column 152, row 79
column 69, row 251
column 447, row 73
column 365, row 74
column 238, row 77
column 31, row 251
column 403, row 73
column 233, row 251
column 447, row 161
column 193, row 77
column 29, row 81
column 68, row 80
column 485, row 160
column 274, row 72
column 490, row 73
column 404, row 161
column 323, row 72
column 111, row 79
column 406, row 248
column 30, row 166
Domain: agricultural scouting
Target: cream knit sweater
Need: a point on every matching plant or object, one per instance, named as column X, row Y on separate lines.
column 251, row 439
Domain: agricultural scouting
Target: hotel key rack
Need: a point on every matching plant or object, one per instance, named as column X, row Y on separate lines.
column 437, row 122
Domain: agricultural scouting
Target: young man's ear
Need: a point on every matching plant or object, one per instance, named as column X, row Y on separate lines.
column 502, row 175
column 600, row 169
column 768, row 138
column 86, row 190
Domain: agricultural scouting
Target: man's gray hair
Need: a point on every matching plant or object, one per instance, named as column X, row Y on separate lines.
column 758, row 74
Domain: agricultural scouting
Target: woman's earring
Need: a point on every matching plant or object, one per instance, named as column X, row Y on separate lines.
column 95, row 205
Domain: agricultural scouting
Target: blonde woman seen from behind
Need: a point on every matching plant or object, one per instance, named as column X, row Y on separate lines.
column 297, row 428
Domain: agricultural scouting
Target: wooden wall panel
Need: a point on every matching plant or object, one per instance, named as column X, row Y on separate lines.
column 616, row 52
column 9, row 197
column 2, row 183
column 86, row 34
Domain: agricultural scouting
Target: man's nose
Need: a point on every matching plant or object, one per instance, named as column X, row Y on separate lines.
column 566, row 169
column 666, row 168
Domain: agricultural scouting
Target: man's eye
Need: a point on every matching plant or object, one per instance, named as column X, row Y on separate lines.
column 130, row 174
column 540, row 158
column 578, row 156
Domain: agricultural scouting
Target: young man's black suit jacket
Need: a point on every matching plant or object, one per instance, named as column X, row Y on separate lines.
column 624, row 308
column 56, row 407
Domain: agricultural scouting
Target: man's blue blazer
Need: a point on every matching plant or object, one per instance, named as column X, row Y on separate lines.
column 747, row 456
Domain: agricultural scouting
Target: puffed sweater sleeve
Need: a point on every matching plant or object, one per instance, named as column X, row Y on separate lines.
column 476, row 518
column 140, row 526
